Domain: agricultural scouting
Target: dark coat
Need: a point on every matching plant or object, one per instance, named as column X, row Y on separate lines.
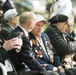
column 3, row 52
column 4, row 55
column 26, row 54
column 72, row 35
column 45, row 58
column 6, row 30
column 6, row 27
column 63, row 48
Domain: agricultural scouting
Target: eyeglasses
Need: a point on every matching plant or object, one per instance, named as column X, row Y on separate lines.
column 70, row 25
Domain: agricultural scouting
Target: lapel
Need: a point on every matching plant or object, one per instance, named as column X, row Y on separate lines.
column 49, row 50
column 44, row 42
column 38, row 48
column 19, row 29
column 46, row 46
column 24, row 37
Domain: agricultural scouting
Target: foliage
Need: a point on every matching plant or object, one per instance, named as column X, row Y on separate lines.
column 75, row 26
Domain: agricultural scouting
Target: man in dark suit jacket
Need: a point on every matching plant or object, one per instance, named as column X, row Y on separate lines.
column 25, row 55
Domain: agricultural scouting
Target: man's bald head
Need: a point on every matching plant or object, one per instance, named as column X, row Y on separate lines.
column 26, row 17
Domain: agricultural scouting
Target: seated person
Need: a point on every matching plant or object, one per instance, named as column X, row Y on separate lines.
column 5, row 46
column 43, row 49
column 63, row 45
column 70, row 27
column 71, row 34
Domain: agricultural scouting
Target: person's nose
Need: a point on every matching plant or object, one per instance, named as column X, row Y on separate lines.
column 40, row 27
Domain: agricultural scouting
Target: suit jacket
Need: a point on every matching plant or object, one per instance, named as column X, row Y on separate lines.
column 4, row 56
column 3, row 52
column 41, row 56
column 26, row 55
column 6, row 27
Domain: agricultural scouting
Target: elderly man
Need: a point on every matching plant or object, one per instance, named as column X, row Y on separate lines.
column 71, row 33
column 11, row 20
column 55, row 32
column 5, row 46
column 70, row 29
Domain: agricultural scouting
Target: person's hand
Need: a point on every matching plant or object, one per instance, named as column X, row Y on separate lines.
column 61, row 69
column 44, row 65
column 55, row 69
column 14, row 43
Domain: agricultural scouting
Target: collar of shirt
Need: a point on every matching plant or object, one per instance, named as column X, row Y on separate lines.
column 26, row 33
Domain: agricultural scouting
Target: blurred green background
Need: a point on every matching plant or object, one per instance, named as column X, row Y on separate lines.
column 39, row 6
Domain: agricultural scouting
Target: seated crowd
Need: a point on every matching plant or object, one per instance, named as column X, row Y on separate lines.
column 27, row 49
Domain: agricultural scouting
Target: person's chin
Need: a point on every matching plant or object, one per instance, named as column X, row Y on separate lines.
column 63, row 31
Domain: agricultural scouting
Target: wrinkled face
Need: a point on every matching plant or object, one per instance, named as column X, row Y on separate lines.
column 69, row 28
column 38, row 29
column 62, row 26
column 15, row 21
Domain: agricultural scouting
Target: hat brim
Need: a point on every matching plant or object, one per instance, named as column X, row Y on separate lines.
column 45, row 21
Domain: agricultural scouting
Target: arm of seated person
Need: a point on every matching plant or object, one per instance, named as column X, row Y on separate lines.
column 61, row 69
column 12, row 43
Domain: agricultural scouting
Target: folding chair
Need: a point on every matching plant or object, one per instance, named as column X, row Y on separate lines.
column 4, row 72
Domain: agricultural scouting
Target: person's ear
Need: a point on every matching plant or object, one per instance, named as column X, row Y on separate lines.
column 12, row 20
column 30, row 23
column 58, row 24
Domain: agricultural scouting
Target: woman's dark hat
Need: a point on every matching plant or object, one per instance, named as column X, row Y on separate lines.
column 58, row 18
